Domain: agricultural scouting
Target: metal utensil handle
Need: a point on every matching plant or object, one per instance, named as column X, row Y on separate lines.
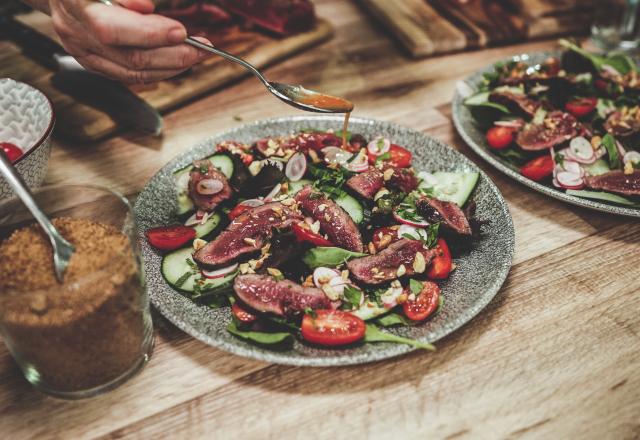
column 19, row 186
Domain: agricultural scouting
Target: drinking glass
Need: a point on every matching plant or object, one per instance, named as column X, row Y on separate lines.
column 94, row 331
column 616, row 25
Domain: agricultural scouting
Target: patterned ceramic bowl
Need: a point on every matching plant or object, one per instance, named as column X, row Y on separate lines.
column 26, row 120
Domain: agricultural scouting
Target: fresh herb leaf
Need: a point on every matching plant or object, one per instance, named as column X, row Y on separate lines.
column 383, row 157
column 329, row 181
column 374, row 334
column 183, row 279
column 263, row 338
column 432, row 235
column 415, row 286
column 192, row 264
column 622, row 63
column 309, row 311
column 609, row 143
column 392, row 319
column 512, row 156
column 352, row 296
column 558, row 159
column 328, row 256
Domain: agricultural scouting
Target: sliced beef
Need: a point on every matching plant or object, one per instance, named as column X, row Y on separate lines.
column 616, row 182
column 367, row 184
column 283, row 17
column 557, row 128
column 246, row 234
column 385, row 265
column 402, row 179
column 621, row 126
column 284, row 298
column 449, row 214
column 204, row 169
column 334, row 221
column 516, row 103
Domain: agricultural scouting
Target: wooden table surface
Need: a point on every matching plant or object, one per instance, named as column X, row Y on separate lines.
column 555, row 355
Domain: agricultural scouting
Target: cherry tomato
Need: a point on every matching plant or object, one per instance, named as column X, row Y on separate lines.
column 441, row 265
column 303, row 233
column 13, row 153
column 538, row 169
column 425, row 304
column 581, row 107
column 383, row 237
column 242, row 314
column 500, row 137
column 239, row 209
column 170, row 237
column 332, row 327
column 398, row 157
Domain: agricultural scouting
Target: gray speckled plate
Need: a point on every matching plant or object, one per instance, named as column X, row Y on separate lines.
column 475, row 138
column 480, row 273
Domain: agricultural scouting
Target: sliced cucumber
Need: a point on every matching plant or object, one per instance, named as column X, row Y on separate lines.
column 352, row 206
column 369, row 310
column 601, row 195
column 202, row 230
column 181, row 276
column 221, row 161
column 295, row 187
column 450, row 186
column 600, row 166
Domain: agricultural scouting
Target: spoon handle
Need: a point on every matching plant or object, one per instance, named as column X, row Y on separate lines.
column 19, row 186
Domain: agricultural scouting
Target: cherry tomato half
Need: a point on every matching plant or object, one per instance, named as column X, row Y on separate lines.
column 168, row 238
column 500, row 137
column 539, row 168
column 441, row 265
column 303, row 233
column 398, row 157
column 332, row 327
column 581, row 107
column 242, row 314
column 425, row 304
column 239, row 209
column 13, row 152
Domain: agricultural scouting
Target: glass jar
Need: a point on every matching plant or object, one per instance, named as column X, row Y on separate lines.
column 93, row 331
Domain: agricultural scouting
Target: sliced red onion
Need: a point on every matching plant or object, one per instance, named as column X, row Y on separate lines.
column 513, row 123
column 336, row 155
column 359, row 164
column 569, row 180
column 390, row 297
column 253, row 203
column 192, row 221
column 411, row 231
column 324, row 275
column 581, row 149
column 296, row 167
column 274, row 192
column 417, row 224
column 379, row 146
column 631, row 156
column 219, row 273
column 208, row 187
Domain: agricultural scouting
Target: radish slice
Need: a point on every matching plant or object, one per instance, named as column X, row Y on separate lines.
column 390, row 297
column 209, row 187
column 411, row 231
column 360, row 163
column 336, row 155
column 324, row 275
column 631, row 156
column 274, row 192
column 581, row 150
column 416, row 223
column 296, row 167
column 253, row 203
column 219, row 273
column 571, row 167
column 196, row 219
column 514, row 123
column 379, row 146
column 569, row 180
column 338, row 284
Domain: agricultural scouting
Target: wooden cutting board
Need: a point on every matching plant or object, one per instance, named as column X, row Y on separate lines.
column 80, row 122
column 427, row 27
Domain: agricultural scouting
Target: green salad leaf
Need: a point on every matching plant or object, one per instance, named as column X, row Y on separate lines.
column 622, row 63
column 259, row 337
column 328, row 256
column 374, row 334
column 609, row 143
column 393, row 319
column 352, row 297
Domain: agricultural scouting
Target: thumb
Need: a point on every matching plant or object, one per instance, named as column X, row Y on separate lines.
column 141, row 6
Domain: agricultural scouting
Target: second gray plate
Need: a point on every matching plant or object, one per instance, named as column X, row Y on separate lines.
column 480, row 272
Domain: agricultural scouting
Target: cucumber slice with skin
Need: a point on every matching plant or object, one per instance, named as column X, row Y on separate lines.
column 350, row 204
column 220, row 161
column 451, row 186
column 202, row 230
column 295, row 187
column 369, row 310
column 175, row 269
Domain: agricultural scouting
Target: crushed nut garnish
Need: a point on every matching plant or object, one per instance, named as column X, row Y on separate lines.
column 274, row 272
column 308, row 282
column 322, row 207
column 401, row 270
column 288, row 201
column 250, row 241
column 314, row 156
column 595, row 142
column 372, row 248
column 198, row 244
column 419, row 263
column 628, row 168
column 388, row 174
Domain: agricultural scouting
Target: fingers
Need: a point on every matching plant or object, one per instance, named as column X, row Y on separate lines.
column 118, row 26
column 141, row 6
column 115, row 71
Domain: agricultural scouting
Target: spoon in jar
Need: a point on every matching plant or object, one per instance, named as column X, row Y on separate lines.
column 294, row 95
column 62, row 249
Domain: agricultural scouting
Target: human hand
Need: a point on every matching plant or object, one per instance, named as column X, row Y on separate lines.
column 127, row 43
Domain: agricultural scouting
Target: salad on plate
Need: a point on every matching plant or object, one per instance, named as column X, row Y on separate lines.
column 571, row 122
column 321, row 236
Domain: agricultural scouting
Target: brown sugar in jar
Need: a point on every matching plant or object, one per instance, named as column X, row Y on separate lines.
column 88, row 331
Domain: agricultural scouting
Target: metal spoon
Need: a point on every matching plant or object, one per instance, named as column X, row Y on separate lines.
column 62, row 249
column 294, row 95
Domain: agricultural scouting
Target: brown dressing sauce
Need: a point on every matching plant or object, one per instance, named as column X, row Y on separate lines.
column 345, row 127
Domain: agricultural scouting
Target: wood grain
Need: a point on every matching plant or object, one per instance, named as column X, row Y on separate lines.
column 81, row 122
column 555, row 355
